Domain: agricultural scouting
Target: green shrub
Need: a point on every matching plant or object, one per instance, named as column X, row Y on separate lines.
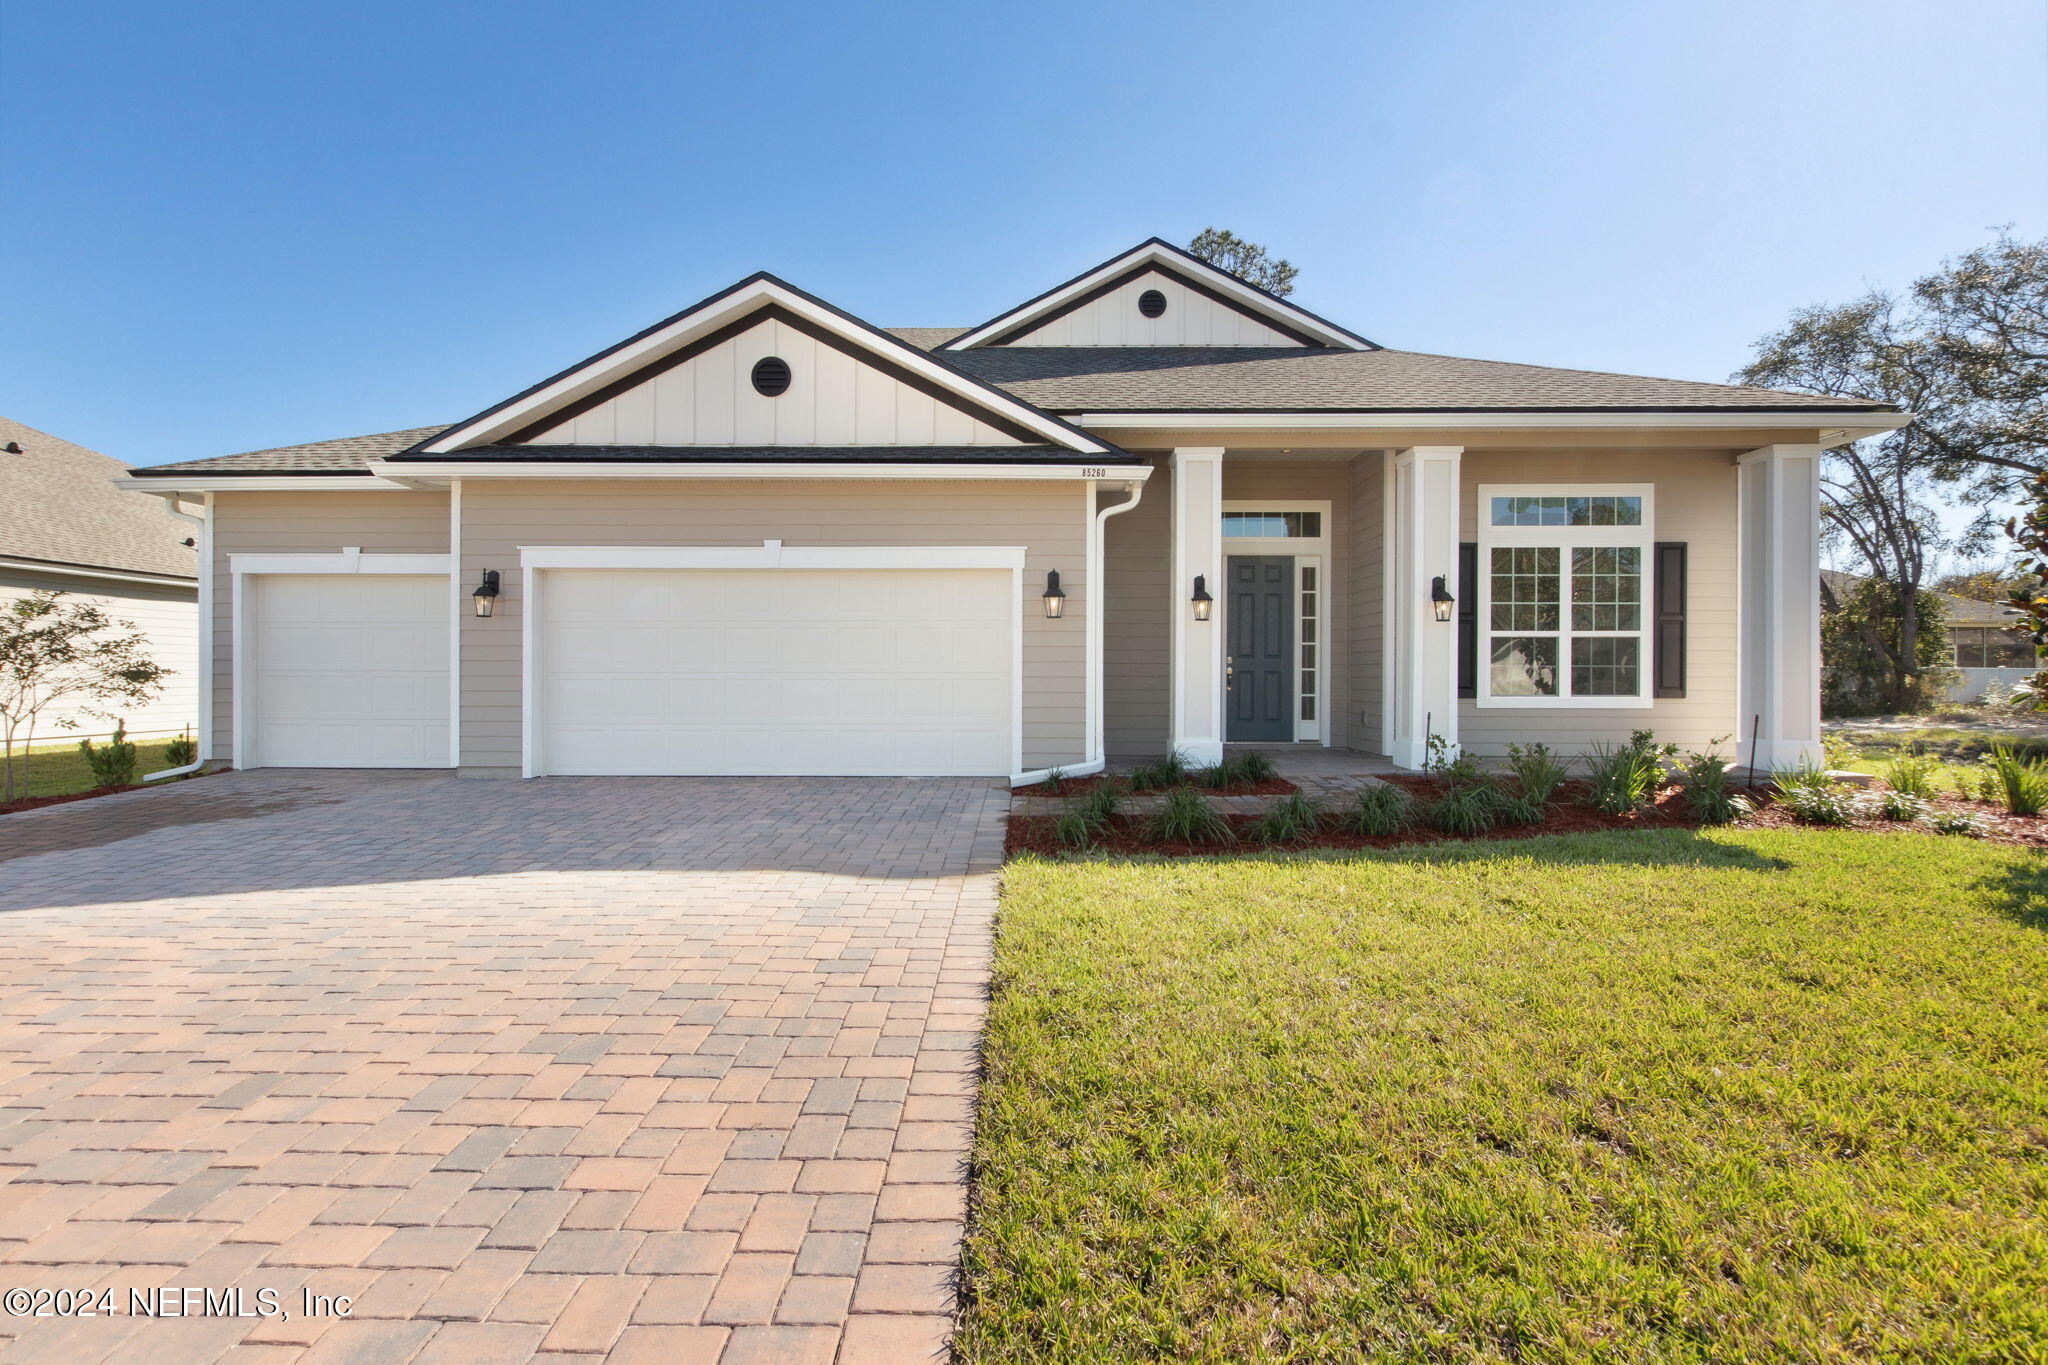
column 1055, row 781
column 1894, row 804
column 1253, row 767
column 1623, row 777
column 1913, row 774
column 2023, row 783
column 1100, row 806
column 1966, row 823
column 1292, row 818
column 1513, row 808
column 1539, row 771
column 181, row 752
column 1378, row 812
column 1238, row 770
column 1168, row 770
column 1072, row 831
column 1216, row 778
column 1708, row 787
column 1186, row 817
column 1463, row 810
column 1812, row 796
column 112, row 763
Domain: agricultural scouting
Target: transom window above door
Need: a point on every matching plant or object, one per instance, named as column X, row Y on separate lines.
column 1563, row 610
column 1272, row 525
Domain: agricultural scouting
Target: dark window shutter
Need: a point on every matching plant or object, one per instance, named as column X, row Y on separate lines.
column 1468, row 619
column 1667, row 638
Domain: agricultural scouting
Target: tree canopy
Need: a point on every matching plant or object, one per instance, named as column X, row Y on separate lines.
column 1248, row 261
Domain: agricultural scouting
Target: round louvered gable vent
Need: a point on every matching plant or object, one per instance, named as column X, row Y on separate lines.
column 771, row 376
column 1152, row 303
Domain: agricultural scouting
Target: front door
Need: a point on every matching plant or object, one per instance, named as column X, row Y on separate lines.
column 1261, row 622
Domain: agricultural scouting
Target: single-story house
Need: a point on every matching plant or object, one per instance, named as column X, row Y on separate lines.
column 1986, row 651
column 1151, row 506
column 66, row 525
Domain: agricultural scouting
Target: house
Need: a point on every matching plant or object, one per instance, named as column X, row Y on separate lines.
column 65, row 525
column 1151, row 506
column 1986, row 651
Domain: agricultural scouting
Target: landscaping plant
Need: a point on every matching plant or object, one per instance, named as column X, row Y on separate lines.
column 1378, row 812
column 1463, row 810
column 1966, row 823
column 1186, row 817
column 53, row 650
column 1709, row 790
column 1813, row 797
column 1254, row 767
column 1072, row 831
column 1893, row 804
column 1912, row 773
column 181, row 751
column 1539, row 771
column 1288, row 820
column 1623, row 777
column 112, row 763
column 2023, row 783
column 1168, row 770
column 1100, row 806
column 1055, row 781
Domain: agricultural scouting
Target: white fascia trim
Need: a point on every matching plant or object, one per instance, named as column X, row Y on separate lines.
column 515, row 469
column 263, row 483
column 1869, row 424
column 772, row 554
column 14, row 565
column 351, row 560
column 689, row 327
column 1151, row 253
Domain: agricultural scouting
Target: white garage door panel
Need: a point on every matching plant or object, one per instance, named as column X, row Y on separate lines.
column 706, row 671
column 347, row 670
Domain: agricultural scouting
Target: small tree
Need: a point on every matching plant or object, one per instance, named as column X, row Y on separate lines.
column 1867, row 669
column 1248, row 261
column 51, row 650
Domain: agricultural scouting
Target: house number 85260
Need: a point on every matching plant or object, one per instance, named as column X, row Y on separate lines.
column 1094, row 472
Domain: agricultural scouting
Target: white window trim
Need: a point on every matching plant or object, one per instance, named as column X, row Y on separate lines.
column 535, row 560
column 1564, row 539
column 1313, row 551
column 351, row 560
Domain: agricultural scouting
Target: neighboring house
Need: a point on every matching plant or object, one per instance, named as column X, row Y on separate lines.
column 1986, row 652
column 67, row 524
column 1151, row 506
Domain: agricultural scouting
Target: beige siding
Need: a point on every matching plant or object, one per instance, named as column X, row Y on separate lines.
column 1137, row 650
column 168, row 617
column 832, row 400
column 1049, row 518
column 1261, row 477
column 1695, row 503
column 1367, row 562
column 306, row 523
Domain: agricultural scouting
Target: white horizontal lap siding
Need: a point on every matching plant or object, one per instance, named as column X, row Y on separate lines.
column 168, row 619
column 306, row 523
column 1694, row 502
column 1048, row 518
column 832, row 400
column 1190, row 319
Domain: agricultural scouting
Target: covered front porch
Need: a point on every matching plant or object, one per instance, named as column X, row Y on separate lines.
column 1334, row 597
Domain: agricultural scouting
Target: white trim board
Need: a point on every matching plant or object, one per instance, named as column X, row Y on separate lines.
column 425, row 470
column 1833, row 426
column 350, row 560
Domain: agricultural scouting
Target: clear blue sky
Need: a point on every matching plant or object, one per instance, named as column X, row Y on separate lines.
column 230, row 226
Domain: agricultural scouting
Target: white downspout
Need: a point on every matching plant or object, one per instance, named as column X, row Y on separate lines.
column 205, row 660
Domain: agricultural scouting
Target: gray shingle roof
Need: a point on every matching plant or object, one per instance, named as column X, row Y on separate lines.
column 58, row 503
column 344, row 455
column 1297, row 378
column 1962, row 611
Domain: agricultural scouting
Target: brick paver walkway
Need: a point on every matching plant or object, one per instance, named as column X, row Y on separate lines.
column 666, row 1069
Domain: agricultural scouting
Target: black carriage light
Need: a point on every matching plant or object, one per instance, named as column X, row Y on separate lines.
column 486, row 594
column 1055, row 600
column 1440, row 599
column 1201, row 599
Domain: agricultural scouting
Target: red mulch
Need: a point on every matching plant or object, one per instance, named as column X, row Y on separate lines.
column 38, row 802
column 1081, row 786
column 1570, row 815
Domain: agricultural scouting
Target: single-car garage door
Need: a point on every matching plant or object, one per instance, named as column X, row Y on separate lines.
column 346, row 671
column 867, row 672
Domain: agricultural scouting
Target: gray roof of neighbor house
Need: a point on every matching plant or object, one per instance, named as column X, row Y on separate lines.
column 1962, row 611
column 59, row 505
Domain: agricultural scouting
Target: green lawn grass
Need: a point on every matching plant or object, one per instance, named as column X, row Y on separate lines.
column 59, row 769
column 1762, row 1095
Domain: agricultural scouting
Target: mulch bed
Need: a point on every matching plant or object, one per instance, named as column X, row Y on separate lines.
column 38, row 802
column 1081, row 786
column 1569, row 815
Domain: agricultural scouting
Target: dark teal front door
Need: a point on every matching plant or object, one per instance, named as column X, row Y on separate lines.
column 1261, row 621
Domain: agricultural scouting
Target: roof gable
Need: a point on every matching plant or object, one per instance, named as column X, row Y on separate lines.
column 1205, row 306
column 852, row 384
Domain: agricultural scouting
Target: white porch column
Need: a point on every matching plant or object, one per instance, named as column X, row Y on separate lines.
column 1197, row 679
column 1779, row 645
column 1422, row 652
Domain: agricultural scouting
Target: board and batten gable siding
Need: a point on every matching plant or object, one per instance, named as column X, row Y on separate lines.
column 315, row 522
column 1191, row 319
column 1695, row 502
column 1048, row 517
column 833, row 399
column 168, row 618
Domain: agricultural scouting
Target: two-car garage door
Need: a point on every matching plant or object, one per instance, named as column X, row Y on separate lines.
column 785, row 671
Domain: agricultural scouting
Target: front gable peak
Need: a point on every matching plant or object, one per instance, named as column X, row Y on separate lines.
column 1158, row 295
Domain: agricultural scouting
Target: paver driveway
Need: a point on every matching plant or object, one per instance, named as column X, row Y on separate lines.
column 671, row 1069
